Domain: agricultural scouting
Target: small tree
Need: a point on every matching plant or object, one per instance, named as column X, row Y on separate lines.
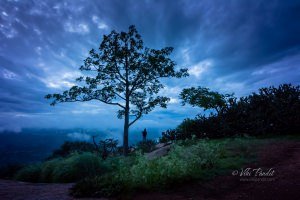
column 126, row 74
column 203, row 97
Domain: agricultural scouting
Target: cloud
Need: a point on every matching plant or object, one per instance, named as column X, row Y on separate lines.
column 79, row 136
column 229, row 47
column 80, row 28
column 200, row 68
column 61, row 80
column 8, row 31
column 186, row 55
column 4, row 13
column 38, row 50
column 9, row 74
column 100, row 24
column 174, row 101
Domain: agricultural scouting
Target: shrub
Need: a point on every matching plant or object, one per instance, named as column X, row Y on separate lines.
column 47, row 169
column 107, row 185
column 146, row 146
column 108, row 147
column 9, row 170
column 270, row 111
column 30, row 173
column 169, row 135
column 182, row 163
column 69, row 169
column 77, row 167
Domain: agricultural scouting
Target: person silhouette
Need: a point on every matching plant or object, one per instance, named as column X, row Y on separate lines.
column 144, row 133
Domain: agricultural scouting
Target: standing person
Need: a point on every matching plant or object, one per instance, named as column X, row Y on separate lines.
column 144, row 133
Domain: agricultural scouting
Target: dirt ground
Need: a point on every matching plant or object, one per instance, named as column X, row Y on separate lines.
column 283, row 157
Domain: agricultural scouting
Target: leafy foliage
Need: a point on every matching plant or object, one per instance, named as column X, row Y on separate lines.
column 146, row 146
column 29, row 173
column 8, row 171
column 99, row 186
column 72, row 168
column 203, row 97
column 108, row 147
column 125, row 73
column 183, row 162
column 270, row 111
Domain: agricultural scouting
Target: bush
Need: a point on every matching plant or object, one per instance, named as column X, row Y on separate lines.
column 69, row 169
column 146, row 146
column 108, row 147
column 77, row 167
column 9, row 170
column 100, row 186
column 271, row 111
column 169, row 135
column 30, row 173
column 184, row 162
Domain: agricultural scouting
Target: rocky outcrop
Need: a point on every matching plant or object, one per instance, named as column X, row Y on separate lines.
column 162, row 149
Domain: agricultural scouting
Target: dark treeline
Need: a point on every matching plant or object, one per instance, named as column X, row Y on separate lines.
column 271, row 111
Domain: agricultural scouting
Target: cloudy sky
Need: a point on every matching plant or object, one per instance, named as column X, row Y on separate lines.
column 229, row 46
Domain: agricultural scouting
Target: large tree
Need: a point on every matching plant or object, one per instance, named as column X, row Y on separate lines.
column 123, row 73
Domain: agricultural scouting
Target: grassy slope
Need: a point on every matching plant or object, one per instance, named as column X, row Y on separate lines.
column 188, row 161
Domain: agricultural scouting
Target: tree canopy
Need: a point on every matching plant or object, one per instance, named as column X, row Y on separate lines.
column 124, row 73
column 205, row 98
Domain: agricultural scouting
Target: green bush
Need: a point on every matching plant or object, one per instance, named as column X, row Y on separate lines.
column 270, row 111
column 108, row 185
column 30, row 173
column 73, row 168
column 182, row 163
column 146, row 146
column 47, row 169
column 77, row 167
column 9, row 170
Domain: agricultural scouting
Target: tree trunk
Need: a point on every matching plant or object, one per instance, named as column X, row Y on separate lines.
column 126, row 130
column 126, row 122
column 126, row 127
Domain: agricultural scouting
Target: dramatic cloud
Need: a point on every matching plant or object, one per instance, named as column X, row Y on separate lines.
column 228, row 46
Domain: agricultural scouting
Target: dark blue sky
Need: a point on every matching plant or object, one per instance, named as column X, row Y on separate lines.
column 229, row 46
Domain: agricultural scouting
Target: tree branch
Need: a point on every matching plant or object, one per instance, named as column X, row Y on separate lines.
column 137, row 118
column 119, row 96
column 111, row 103
column 83, row 99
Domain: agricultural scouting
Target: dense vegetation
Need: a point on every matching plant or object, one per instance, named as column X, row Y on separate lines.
column 72, row 168
column 271, row 111
column 187, row 160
